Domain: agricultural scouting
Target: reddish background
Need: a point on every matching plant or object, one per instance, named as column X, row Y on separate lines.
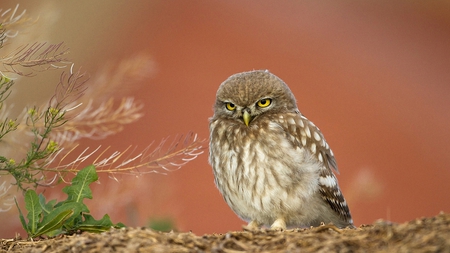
column 373, row 75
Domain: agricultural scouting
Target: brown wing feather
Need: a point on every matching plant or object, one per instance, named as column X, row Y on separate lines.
column 308, row 136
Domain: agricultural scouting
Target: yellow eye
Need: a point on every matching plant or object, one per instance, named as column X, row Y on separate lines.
column 230, row 106
column 264, row 102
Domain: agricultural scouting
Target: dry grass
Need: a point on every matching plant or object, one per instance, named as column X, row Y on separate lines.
column 420, row 235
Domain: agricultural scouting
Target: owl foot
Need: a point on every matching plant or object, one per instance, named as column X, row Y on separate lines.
column 279, row 225
column 251, row 226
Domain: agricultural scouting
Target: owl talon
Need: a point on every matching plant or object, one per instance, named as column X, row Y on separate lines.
column 251, row 226
column 278, row 225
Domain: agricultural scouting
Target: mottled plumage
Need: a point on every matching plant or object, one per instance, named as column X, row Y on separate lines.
column 271, row 164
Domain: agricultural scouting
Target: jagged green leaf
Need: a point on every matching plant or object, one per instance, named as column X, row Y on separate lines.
column 79, row 189
column 90, row 224
column 46, row 207
column 55, row 222
column 66, row 216
column 77, row 209
column 34, row 210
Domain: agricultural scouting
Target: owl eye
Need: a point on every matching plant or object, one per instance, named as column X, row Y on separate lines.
column 264, row 102
column 230, row 106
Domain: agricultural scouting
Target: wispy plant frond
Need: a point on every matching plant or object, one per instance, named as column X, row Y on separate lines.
column 92, row 119
column 6, row 200
column 2, row 35
column 169, row 155
column 5, row 88
column 7, row 125
column 118, row 78
column 9, row 18
column 51, row 154
column 98, row 122
column 70, row 88
column 37, row 57
column 41, row 123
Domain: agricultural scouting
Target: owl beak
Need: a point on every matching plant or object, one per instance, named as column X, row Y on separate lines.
column 247, row 118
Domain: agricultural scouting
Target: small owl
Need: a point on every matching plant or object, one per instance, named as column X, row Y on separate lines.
column 271, row 164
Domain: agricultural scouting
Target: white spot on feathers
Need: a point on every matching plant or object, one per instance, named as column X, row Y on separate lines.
column 308, row 132
column 303, row 139
column 317, row 136
column 313, row 148
column 327, row 181
column 320, row 157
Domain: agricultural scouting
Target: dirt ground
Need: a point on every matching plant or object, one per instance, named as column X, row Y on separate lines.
column 420, row 235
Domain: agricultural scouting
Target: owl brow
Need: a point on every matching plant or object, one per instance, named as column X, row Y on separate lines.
column 226, row 101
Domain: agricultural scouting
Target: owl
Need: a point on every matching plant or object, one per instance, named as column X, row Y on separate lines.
column 271, row 164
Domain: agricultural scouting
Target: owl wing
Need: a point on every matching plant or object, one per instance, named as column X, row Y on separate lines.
column 305, row 134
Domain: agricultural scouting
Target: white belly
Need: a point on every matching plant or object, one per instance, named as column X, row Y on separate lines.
column 264, row 180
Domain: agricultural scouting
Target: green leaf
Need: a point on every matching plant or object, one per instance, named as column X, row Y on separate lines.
column 80, row 185
column 77, row 209
column 56, row 222
column 22, row 219
column 66, row 216
column 55, row 232
column 97, row 226
column 161, row 224
column 34, row 210
column 119, row 225
column 104, row 221
column 46, row 207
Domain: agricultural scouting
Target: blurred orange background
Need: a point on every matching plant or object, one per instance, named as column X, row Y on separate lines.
column 373, row 75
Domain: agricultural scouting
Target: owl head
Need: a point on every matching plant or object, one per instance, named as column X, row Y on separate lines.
column 245, row 96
